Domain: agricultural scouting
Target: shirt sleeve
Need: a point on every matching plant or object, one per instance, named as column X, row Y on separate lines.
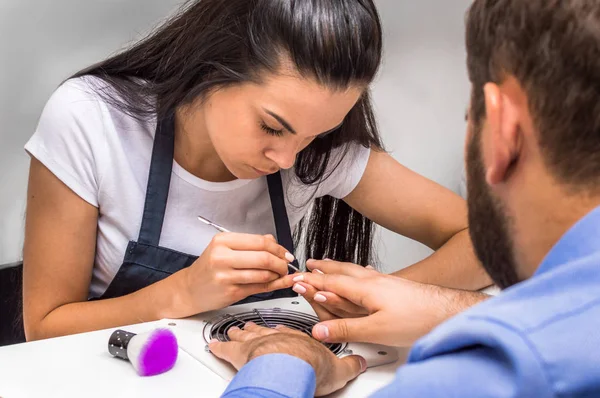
column 273, row 376
column 486, row 360
column 346, row 167
column 69, row 139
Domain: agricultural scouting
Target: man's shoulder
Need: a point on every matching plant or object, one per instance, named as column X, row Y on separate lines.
column 551, row 320
column 561, row 295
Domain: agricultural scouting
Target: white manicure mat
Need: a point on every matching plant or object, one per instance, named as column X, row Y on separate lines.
column 193, row 335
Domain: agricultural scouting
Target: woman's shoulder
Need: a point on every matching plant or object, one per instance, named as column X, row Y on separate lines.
column 75, row 101
column 77, row 93
column 87, row 105
column 73, row 107
column 85, row 94
column 79, row 133
column 341, row 175
column 69, row 137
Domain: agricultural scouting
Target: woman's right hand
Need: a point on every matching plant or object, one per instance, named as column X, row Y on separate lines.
column 233, row 267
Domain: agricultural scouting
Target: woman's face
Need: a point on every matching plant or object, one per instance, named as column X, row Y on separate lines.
column 258, row 129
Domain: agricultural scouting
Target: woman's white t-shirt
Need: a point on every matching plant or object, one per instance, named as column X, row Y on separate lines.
column 103, row 155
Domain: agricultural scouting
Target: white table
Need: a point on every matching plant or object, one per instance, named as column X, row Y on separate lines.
column 80, row 366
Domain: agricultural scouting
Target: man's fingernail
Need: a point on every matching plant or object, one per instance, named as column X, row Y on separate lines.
column 321, row 332
column 363, row 364
column 319, row 298
column 289, row 256
column 299, row 289
column 299, row 278
column 318, row 271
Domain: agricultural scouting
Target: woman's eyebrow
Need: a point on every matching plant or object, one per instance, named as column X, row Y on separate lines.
column 281, row 120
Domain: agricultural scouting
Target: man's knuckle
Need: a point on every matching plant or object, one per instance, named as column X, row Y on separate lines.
column 343, row 329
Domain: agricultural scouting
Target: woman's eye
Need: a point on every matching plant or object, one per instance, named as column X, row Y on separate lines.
column 270, row 131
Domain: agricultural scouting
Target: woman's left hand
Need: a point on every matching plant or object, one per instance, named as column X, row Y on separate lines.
column 329, row 305
column 399, row 311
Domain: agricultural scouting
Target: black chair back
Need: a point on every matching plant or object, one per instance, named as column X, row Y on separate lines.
column 11, row 304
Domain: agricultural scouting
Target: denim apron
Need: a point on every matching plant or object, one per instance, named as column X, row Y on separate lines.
column 146, row 262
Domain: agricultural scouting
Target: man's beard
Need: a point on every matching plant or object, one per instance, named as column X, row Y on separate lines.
column 488, row 222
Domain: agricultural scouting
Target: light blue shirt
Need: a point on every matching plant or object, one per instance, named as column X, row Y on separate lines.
column 540, row 338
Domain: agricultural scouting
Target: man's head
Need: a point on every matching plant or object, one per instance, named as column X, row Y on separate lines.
column 533, row 143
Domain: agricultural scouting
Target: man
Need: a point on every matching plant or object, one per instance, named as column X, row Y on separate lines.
column 533, row 161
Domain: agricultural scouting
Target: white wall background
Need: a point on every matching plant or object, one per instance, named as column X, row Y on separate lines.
column 420, row 96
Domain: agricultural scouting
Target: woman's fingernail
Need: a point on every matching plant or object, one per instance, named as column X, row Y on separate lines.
column 299, row 289
column 214, row 341
column 289, row 256
column 310, row 261
column 321, row 332
column 318, row 271
column 327, row 259
column 299, row 278
column 369, row 267
column 319, row 298
column 363, row 364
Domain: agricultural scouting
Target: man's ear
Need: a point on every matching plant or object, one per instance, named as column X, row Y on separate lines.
column 501, row 143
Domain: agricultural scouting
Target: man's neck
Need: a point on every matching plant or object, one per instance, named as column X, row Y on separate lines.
column 542, row 218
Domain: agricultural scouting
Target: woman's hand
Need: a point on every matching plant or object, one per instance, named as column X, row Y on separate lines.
column 328, row 305
column 233, row 267
column 399, row 311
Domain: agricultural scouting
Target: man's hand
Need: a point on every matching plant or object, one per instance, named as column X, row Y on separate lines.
column 399, row 311
column 332, row 373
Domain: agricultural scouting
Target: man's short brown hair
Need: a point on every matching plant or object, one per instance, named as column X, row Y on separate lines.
column 552, row 47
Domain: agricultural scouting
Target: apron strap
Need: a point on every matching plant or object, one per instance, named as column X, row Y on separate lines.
column 159, row 181
column 282, row 223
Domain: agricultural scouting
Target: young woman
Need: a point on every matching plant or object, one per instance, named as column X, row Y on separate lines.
column 254, row 114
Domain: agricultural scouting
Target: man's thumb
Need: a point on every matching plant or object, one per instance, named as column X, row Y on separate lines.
column 341, row 330
column 355, row 365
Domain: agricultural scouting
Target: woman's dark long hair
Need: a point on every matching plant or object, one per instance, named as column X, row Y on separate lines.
column 211, row 44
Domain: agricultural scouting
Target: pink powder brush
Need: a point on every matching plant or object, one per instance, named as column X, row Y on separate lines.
column 150, row 353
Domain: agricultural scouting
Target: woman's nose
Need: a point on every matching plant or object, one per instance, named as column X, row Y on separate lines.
column 284, row 157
